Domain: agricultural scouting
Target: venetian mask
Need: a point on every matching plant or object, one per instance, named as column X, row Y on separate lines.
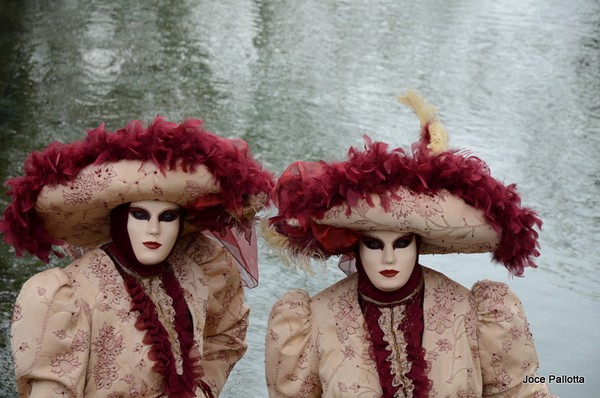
column 153, row 228
column 388, row 258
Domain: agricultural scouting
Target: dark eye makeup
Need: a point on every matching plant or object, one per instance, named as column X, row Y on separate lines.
column 403, row 241
column 374, row 243
column 140, row 213
column 168, row 215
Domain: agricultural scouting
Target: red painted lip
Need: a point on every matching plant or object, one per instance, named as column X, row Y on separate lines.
column 152, row 245
column 389, row 273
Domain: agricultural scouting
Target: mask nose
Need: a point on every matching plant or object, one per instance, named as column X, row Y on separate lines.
column 388, row 255
column 153, row 227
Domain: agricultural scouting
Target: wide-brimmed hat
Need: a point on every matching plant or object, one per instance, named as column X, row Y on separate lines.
column 68, row 190
column 445, row 196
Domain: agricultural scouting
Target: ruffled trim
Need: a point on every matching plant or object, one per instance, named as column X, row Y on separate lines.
column 312, row 188
column 163, row 143
column 157, row 337
column 413, row 326
column 410, row 328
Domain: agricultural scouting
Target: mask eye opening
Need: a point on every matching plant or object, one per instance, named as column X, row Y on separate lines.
column 372, row 242
column 403, row 241
column 169, row 215
column 140, row 213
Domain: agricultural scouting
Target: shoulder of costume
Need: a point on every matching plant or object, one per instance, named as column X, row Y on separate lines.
column 434, row 278
column 339, row 288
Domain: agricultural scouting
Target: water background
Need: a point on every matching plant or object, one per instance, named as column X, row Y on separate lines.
column 516, row 82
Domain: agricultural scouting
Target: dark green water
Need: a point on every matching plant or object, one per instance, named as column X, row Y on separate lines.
column 518, row 82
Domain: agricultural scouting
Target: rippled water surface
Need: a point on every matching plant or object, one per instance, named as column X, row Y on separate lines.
column 516, row 82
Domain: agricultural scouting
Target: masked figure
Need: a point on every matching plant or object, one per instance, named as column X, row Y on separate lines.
column 154, row 304
column 393, row 327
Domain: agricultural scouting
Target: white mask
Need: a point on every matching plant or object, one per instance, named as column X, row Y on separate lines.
column 153, row 227
column 388, row 258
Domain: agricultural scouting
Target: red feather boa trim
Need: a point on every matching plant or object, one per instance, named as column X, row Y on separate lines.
column 306, row 190
column 164, row 143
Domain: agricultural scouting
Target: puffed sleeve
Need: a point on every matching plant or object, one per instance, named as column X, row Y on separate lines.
column 290, row 355
column 50, row 338
column 226, row 320
column 506, row 348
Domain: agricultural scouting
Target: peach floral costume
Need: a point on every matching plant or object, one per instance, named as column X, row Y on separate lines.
column 107, row 325
column 430, row 337
column 477, row 343
column 74, row 334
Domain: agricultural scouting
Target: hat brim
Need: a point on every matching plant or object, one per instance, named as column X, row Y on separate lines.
column 445, row 223
column 78, row 212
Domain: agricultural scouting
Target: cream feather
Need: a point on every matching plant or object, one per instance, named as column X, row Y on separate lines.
column 427, row 115
column 281, row 245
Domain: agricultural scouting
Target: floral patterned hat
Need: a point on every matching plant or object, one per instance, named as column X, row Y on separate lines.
column 446, row 196
column 68, row 190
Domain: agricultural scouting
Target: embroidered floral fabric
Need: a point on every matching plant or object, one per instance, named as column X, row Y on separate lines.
column 73, row 333
column 447, row 224
column 477, row 343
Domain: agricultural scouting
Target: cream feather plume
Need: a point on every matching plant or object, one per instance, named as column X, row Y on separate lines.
column 431, row 126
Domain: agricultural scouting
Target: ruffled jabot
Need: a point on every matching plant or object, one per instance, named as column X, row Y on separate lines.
column 395, row 324
column 164, row 316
